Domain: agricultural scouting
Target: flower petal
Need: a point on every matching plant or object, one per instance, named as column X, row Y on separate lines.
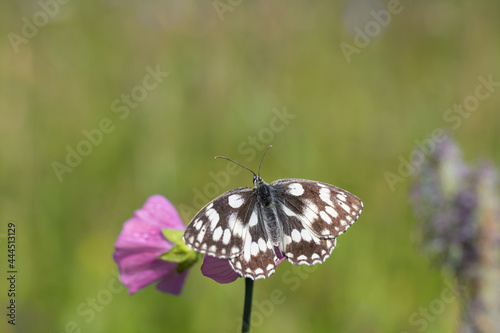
column 142, row 233
column 159, row 212
column 140, row 243
column 172, row 283
column 135, row 274
column 218, row 270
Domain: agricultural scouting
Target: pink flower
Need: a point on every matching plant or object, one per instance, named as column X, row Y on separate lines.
column 140, row 244
column 144, row 256
column 221, row 271
column 218, row 269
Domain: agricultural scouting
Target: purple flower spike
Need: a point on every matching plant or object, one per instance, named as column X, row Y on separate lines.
column 141, row 242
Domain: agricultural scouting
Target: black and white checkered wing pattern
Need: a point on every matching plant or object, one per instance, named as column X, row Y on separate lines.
column 313, row 214
column 230, row 226
column 220, row 228
column 258, row 259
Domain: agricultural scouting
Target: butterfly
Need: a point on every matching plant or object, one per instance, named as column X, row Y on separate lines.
column 251, row 227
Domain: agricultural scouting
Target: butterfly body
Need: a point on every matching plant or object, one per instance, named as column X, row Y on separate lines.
column 264, row 196
column 300, row 218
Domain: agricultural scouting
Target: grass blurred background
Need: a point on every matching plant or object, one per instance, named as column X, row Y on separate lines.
column 353, row 119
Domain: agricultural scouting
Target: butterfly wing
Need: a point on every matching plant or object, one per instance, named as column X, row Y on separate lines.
column 313, row 214
column 221, row 227
column 231, row 227
column 258, row 259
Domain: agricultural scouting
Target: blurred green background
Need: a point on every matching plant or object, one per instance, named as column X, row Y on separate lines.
column 233, row 66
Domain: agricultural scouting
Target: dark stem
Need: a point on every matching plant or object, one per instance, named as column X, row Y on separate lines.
column 247, row 309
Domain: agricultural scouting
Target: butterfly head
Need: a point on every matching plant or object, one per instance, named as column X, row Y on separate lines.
column 257, row 180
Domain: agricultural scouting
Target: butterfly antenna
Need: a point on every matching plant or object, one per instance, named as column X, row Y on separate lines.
column 262, row 160
column 230, row 160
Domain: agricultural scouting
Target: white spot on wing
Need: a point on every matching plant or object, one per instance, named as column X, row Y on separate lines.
column 201, row 234
column 197, row 224
column 295, row 189
column 253, row 218
column 247, row 248
column 309, row 204
column 217, row 234
column 237, row 226
column 213, row 217
column 235, row 200
column 296, row 235
column 262, row 245
column 324, row 195
column 341, row 197
column 325, row 217
column 254, row 249
column 288, row 211
column 345, row 207
column 227, row 236
column 331, row 211
column 306, row 235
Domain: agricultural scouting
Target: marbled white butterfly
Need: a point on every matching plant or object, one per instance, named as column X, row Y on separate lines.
column 300, row 218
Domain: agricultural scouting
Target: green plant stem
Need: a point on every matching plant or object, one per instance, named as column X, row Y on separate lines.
column 247, row 309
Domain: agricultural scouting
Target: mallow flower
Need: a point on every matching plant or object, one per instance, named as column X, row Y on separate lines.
column 150, row 249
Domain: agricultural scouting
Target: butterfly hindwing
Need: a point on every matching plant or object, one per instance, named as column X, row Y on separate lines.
column 300, row 245
column 258, row 258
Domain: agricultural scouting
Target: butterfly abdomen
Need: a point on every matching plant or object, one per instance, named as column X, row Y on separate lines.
column 272, row 225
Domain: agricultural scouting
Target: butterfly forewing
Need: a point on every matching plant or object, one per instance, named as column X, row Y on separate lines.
column 323, row 209
column 219, row 229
